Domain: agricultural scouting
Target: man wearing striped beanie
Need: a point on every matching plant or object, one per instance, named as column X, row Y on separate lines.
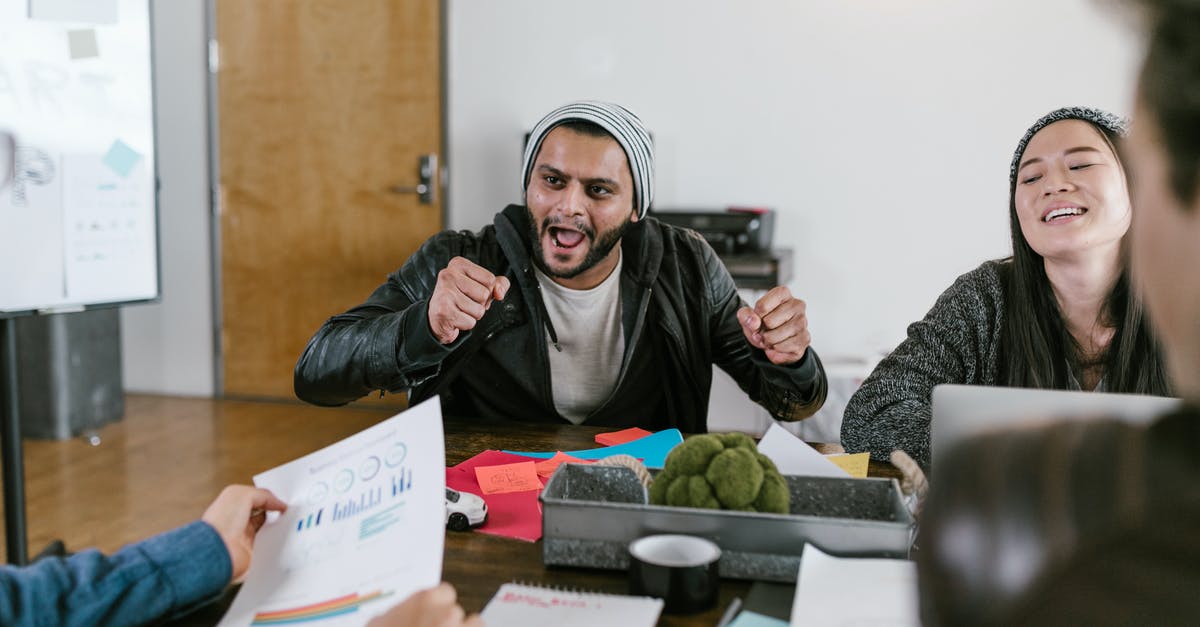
column 575, row 306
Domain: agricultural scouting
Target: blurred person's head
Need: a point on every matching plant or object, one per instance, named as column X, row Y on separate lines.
column 1163, row 152
column 1072, row 523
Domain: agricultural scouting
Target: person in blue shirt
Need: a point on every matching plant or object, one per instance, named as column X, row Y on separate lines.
column 173, row 573
column 158, row 578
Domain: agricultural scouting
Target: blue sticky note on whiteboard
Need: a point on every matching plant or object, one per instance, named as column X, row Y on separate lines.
column 652, row 449
column 121, row 158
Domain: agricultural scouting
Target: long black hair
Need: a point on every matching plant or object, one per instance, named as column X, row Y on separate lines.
column 1038, row 351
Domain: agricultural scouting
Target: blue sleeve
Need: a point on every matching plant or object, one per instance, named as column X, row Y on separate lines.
column 151, row 580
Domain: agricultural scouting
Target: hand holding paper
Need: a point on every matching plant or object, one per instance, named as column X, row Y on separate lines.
column 237, row 514
column 352, row 508
column 435, row 607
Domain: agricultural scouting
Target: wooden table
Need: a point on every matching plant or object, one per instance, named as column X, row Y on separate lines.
column 477, row 563
column 161, row 465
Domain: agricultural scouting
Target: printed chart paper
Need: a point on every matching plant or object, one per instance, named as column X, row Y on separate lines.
column 364, row 529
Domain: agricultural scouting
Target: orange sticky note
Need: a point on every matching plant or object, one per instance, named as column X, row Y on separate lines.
column 547, row 467
column 517, row 477
column 614, row 438
column 855, row 464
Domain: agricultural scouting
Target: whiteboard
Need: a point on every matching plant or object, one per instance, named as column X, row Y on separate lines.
column 78, row 221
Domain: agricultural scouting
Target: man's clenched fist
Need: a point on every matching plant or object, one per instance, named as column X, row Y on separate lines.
column 464, row 291
column 778, row 325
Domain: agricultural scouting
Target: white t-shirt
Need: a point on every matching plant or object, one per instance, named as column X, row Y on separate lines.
column 588, row 325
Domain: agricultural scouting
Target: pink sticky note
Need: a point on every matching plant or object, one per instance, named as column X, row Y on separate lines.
column 614, row 438
column 547, row 468
column 512, row 515
column 504, row 478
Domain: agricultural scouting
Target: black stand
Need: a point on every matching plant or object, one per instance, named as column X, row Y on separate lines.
column 10, row 448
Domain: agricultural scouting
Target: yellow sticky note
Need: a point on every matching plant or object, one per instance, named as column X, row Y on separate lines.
column 855, row 464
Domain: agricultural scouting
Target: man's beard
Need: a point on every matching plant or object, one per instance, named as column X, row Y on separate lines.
column 598, row 248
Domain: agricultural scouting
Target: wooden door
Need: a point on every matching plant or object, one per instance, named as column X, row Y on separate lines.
column 324, row 109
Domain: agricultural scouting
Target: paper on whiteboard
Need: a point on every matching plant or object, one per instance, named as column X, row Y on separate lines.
column 88, row 11
column 793, row 457
column 81, row 44
column 31, row 231
column 364, row 529
column 108, row 223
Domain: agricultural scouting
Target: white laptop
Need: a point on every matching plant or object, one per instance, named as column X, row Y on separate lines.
column 961, row 411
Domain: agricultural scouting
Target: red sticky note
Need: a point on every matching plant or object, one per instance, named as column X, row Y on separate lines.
column 504, row 478
column 547, row 468
column 614, row 438
column 513, row 515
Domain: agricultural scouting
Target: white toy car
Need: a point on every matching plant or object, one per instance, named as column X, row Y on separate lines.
column 464, row 510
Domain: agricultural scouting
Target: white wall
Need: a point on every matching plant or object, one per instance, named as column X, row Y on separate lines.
column 167, row 347
column 880, row 130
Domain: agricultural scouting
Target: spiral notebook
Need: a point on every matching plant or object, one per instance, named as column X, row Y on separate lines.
column 523, row 605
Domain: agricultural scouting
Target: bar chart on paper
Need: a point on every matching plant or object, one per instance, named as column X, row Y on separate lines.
column 364, row 527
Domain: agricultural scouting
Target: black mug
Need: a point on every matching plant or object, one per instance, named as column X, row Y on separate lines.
column 679, row 569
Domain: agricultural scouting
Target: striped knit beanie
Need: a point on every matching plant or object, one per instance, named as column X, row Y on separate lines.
column 1112, row 123
column 622, row 124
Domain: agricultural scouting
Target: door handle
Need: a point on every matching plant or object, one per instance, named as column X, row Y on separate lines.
column 427, row 187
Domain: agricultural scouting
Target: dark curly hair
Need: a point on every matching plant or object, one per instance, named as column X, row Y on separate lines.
column 1169, row 87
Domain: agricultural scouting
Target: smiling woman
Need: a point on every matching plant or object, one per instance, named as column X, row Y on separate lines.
column 1073, row 320
column 1058, row 314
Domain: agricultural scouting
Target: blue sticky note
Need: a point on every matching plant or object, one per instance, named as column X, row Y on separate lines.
column 652, row 449
column 753, row 619
column 81, row 44
column 121, row 158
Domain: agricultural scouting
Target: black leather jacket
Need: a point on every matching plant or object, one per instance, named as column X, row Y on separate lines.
column 678, row 314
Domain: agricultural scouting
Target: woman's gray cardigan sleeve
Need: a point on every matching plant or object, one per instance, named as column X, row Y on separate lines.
column 956, row 342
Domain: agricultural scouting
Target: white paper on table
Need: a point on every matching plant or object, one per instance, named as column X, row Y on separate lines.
column 855, row 591
column 792, row 456
column 364, row 528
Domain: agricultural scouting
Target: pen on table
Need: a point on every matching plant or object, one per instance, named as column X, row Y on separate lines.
column 731, row 612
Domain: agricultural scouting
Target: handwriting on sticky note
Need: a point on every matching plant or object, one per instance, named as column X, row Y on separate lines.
column 547, row 467
column 614, row 438
column 855, row 465
column 517, row 477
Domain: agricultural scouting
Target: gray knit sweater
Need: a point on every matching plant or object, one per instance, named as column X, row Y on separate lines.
column 958, row 341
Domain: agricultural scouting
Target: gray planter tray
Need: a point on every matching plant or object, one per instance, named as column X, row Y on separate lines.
column 591, row 513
